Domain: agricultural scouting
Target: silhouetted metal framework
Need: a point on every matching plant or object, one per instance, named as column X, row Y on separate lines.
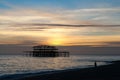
column 47, row 51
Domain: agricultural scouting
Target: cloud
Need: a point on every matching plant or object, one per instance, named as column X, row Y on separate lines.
column 95, row 15
column 76, row 16
column 101, row 31
column 21, row 39
column 117, row 44
column 100, row 13
column 84, row 25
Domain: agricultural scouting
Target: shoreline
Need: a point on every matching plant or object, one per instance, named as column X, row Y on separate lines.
column 104, row 72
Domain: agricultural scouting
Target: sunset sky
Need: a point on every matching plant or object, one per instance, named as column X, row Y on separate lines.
column 60, row 22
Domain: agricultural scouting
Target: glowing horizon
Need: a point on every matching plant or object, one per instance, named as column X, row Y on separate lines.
column 60, row 23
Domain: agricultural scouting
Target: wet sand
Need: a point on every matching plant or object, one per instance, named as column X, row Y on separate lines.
column 106, row 72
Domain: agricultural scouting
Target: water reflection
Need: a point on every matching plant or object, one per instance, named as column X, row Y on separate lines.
column 22, row 64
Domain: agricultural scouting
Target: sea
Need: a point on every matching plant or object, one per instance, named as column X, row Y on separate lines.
column 21, row 64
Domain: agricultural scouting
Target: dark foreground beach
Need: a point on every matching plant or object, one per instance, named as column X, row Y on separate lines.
column 107, row 72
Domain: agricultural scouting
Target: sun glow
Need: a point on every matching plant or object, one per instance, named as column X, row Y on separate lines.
column 56, row 42
column 56, row 36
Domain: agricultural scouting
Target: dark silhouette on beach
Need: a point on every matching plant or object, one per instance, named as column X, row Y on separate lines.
column 95, row 64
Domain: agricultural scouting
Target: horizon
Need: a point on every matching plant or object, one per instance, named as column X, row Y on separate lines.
column 90, row 24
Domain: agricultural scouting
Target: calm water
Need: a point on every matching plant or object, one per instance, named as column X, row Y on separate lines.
column 18, row 64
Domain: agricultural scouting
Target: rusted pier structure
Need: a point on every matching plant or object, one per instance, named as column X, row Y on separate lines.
column 47, row 51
